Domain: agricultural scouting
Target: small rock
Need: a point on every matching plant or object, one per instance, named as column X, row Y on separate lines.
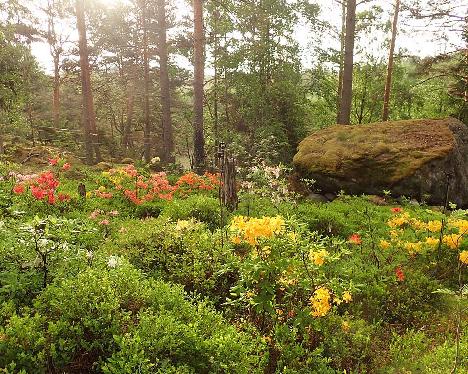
column 330, row 196
column 103, row 166
column 127, row 160
column 317, row 198
column 377, row 200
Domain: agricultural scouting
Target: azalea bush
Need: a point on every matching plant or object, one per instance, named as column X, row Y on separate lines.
column 139, row 188
column 147, row 272
column 284, row 279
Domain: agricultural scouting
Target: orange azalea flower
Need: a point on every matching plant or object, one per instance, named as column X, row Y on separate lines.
column 399, row 274
column 18, row 189
column 355, row 239
column 397, row 210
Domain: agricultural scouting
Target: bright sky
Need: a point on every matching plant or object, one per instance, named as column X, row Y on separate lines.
column 415, row 36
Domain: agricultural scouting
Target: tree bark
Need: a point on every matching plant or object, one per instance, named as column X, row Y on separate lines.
column 342, row 43
column 127, row 136
column 168, row 133
column 89, row 117
column 388, row 83
column 56, row 98
column 147, row 127
column 347, row 90
column 199, row 66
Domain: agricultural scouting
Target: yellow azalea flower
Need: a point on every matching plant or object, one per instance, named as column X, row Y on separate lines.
column 89, row 194
column 318, row 257
column 345, row 326
column 384, row 244
column 292, row 236
column 417, row 224
column 347, row 297
column 412, row 247
column 106, row 174
column 452, row 241
column 398, row 221
column 434, row 226
column 432, row 242
column 461, row 225
column 464, row 257
column 101, row 188
column 320, row 302
column 236, row 240
column 252, row 229
column 184, row 224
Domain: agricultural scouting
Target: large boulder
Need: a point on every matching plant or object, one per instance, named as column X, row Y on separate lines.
column 414, row 158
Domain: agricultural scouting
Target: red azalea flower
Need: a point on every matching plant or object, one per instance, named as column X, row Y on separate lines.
column 53, row 161
column 51, row 198
column 18, row 189
column 399, row 274
column 355, row 239
column 63, row 197
column 397, row 210
column 38, row 192
column 66, row 166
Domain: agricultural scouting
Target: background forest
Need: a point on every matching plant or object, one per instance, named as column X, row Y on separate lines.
column 267, row 72
column 115, row 258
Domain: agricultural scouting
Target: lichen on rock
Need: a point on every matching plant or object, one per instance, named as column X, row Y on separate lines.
column 409, row 157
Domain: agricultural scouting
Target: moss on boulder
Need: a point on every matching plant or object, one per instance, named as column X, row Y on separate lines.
column 409, row 157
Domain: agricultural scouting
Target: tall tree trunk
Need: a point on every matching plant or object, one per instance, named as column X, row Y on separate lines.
column 168, row 133
column 198, row 80
column 147, row 127
column 340, row 73
column 2, row 149
column 89, row 117
column 388, row 83
column 127, row 136
column 347, row 90
column 56, row 98
column 216, row 16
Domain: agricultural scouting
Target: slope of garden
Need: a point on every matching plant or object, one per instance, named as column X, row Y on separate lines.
column 142, row 272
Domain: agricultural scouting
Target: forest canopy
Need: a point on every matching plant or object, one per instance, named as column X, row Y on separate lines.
column 158, row 78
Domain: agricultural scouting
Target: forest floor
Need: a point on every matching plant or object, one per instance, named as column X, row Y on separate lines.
column 138, row 271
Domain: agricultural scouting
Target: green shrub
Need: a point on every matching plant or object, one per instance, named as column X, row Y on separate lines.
column 202, row 208
column 99, row 319
column 185, row 252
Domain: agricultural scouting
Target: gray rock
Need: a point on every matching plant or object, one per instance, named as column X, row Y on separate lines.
column 317, row 198
column 415, row 158
column 330, row 196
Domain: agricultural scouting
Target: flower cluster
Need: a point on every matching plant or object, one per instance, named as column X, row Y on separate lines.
column 250, row 230
column 102, row 216
column 431, row 234
column 267, row 181
column 320, row 302
column 138, row 188
column 42, row 187
column 318, row 257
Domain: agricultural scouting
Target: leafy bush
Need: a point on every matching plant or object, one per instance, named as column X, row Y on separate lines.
column 202, row 208
column 99, row 319
column 184, row 252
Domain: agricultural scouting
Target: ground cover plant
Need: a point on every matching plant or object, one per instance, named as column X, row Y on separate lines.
column 146, row 272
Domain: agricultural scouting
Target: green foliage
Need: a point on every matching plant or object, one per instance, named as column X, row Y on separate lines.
column 202, row 208
column 109, row 314
column 184, row 252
